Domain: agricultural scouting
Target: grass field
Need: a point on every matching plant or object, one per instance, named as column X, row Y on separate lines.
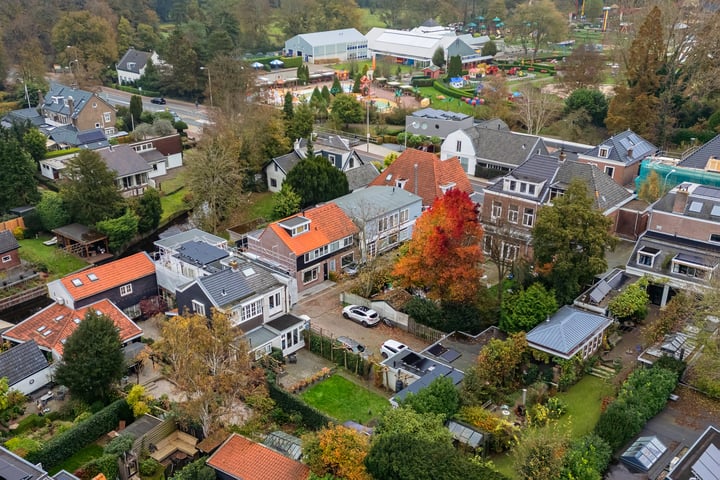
column 58, row 262
column 342, row 399
column 79, row 459
column 172, row 204
column 583, row 400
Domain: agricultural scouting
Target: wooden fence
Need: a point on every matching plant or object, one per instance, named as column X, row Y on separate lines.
column 12, row 224
column 428, row 334
column 23, row 296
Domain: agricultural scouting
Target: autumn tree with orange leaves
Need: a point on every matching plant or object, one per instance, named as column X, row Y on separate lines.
column 444, row 255
column 339, row 451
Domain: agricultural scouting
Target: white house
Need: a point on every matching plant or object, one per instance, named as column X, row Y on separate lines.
column 131, row 66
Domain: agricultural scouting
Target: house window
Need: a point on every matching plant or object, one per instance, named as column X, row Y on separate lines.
column 6, row 259
column 603, row 152
column 106, row 117
column 331, row 158
column 273, row 182
column 310, row 275
column 531, row 189
column 400, row 182
column 346, row 260
column 251, row 310
column 496, row 210
column 513, row 186
column 523, row 187
column 347, row 241
column 555, row 193
column 404, row 215
column 528, row 217
column 509, row 251
column 458, row 146
column 198, row 307
column 513, row 213
column 715, row 237
column 487, row 244
column 274, row 301
column 689, row 270
column 610, row 171
column 126, row 290
column 646, row 256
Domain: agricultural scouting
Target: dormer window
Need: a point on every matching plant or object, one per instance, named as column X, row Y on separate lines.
column 447, row 187
column 400, row 183
column 296, row 225
column 604, row 152
column 647, row 255
column 690, row 265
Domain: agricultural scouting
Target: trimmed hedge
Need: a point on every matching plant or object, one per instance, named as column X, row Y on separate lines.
column 137, row 91
column 287, row 402
column 452, row 92
column 84, row 433
column 60, row 153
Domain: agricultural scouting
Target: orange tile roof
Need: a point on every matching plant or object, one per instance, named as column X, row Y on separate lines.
column 247, row 460
column 52, row 325
column 432, row 173
column 109, row 275
column 328, row 223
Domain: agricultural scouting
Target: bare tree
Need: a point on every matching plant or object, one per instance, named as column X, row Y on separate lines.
column 535, row 109
column 499, row 238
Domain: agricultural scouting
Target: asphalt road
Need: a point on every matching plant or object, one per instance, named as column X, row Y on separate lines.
column 188, row 112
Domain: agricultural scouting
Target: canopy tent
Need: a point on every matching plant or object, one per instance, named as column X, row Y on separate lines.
column 480, row 18
column 256, row 65
column 496, row 19
column 277, row 63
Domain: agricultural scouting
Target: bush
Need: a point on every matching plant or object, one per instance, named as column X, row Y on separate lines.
column 311, row 418
column 30, row 422
column 148, row 467
column 196, row 470
column 23, row 445
column 106, row 464
column 85, row 432
column 60, row 153
column 120, row 444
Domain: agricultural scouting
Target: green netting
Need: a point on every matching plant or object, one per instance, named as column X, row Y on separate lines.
column 678, row 176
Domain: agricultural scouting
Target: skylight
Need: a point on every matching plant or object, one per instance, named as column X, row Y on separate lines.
column 46, row 333
column 92, row 277
column 248, row 271
column 41, row 328
column 77, row 282
column 77, row 321
column 695, row 207
column 715, row 211
column 59, row 317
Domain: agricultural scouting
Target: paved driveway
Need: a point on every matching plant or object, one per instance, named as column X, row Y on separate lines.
column 325, row 312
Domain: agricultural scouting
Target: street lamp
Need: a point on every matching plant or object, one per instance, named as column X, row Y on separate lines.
column 413, row 125
column 209, row 84
column 77, row 64
column 666, row 178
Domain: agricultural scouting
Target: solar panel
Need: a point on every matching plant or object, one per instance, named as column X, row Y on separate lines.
column 708, row 465
column 705, row 191
column 600, row 291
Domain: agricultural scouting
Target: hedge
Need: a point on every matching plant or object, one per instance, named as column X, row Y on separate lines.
column 327, row 348
column 287, row 402
column 60, row 153
column 451, row 92
column 137, row 91
column 68, row 443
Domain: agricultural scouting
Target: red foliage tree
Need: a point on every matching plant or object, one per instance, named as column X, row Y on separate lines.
column 444, row 255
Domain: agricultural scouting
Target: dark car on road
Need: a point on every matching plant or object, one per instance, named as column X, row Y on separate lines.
column 158, row 101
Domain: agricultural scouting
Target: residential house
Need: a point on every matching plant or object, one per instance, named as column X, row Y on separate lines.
column 360, row 177
column 490, row 149
column 14, row 467
column 249, row 293
column 131, row 66
column 125, row 282
column 328, row 47
column 83, row 110
column 569, row 332
column 284, row 333
column 681, row 249
column 385, row 217
column 436, row 123
column 425, row 175
column 9, row 250
column 25, row 368
column 50, row 327
column 308, row 246
column 510, row 205
column 620, row 156
column 242, row 459
column 132, row 172
column 702, row 460
column 339, row 151
column 162, row 154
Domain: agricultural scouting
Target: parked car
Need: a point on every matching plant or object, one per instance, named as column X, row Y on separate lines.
column 365, row 316
column 353, row 346
column 158, row 101
column 391, row 347
column 176, row 117
column 351, row 269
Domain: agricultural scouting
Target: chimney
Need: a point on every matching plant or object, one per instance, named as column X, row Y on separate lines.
column 233, row 265
column 681, row 198
column 71, row 105
column 562, row 156
column 629, row 153
column 41, row 98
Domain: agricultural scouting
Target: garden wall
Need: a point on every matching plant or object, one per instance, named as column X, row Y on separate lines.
column 384, row 309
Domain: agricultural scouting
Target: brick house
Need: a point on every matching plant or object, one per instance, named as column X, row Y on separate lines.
column 620, row 156
column 9, row 250
column 63, row 105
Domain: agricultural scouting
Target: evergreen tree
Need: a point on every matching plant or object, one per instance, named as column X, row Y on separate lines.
column 135, row 110
column 455, row 67
column 288, row 106
column 336, row 87
column 438, row 58
column 18, row 185
column 356, row 84
column 316, row 180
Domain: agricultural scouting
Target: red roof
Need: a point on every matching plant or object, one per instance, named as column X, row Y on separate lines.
column 108, row 276
column 52, row 325
column 328, row 223
column 247, row 460
column 432, row 174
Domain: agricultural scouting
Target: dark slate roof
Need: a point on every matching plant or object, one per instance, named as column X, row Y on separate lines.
column 700, row 157
column 64, row 475
column 22, row 361
column 233, row 285
column 200, row 253
column 142, row 425
column 8, row 242
column 288, row 161
column 361, row 176
column 566, row 331
column 124, row 160
column 63, row 93
column 504, row 147
column 537, row 168
column 284, row 322
column 138, row 57
column 14, row 467
column 702, row 460
column 427, row 369
column 439, row 114
column 623, row 143
column 494, row 124
column 91, row 136
column 703, row 202
column 23, row 115
column 606, row 192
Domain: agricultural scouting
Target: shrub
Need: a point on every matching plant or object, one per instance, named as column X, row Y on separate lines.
column 106, row 464
column 120, row 444
column 22, row 445
column 148, row 467
column 311, row 418
column 556, row 407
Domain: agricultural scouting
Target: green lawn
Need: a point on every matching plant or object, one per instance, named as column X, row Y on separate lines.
column 370, row 20
column 342, row 399
column 58, row 262
column 583, row 400
column 172, row 204
column 262, row 205
column 79, row 459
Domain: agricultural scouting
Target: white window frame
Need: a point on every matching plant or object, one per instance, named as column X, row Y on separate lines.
column 126, row 290
column 694, row 271
column 346, row 260
column 528, row 217
column 6, row 258
column 313, row 272
column 509, row 251
column 251, row 310
column 274, row 302
column 610, row 171
column 404, row 215
column 513, row 213
column 496, row 210
column 198, row 307
column 603, row 152
column 645, row 254
column 107, row 118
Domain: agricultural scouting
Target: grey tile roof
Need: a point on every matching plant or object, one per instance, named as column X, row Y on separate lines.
column 317, row 39
column 21, row 361
column 55, row 99
column 94, row 135
column 200, row 253
column 288, row 161
column 375, row 201
column 178, row 239
column 439, row 114
column 627, row 147
column 361, row 176
column 136, row 57
column 494, row 124
column 703, row 202
column 22, row 115
column 700, row 157
column 231, row 286
column 124, row 160
column 606, row 192
column 8, row 242
column 15, row 467
column 537, row 169
column 65, row 475
column 142, row 425
column 566, row 331
column 504, row 147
